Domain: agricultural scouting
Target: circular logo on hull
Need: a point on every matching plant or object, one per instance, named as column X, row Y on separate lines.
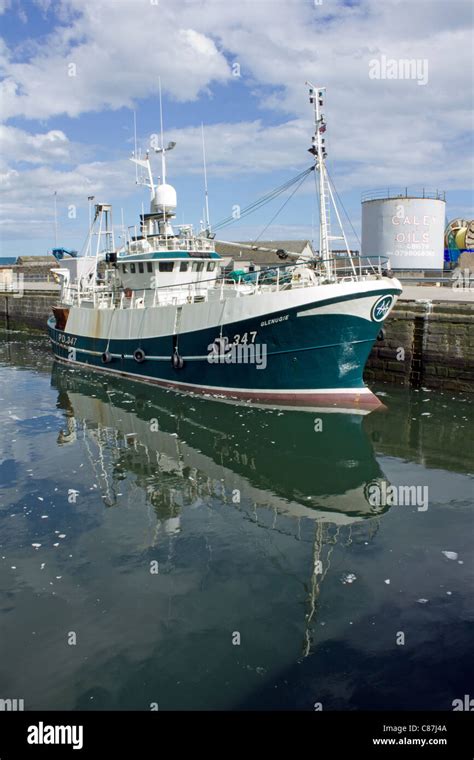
column 381, row 308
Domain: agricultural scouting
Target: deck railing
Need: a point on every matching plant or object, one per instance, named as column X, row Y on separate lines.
column 270, row 280
column 165, row 243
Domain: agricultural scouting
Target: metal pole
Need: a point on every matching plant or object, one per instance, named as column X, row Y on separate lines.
column 163, row 164
column 316, row 94
column 90, row 198
column 207, row 221
column 55, row 219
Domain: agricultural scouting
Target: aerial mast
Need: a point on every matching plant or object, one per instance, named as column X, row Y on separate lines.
column 162, row 149
column 135, row 151
column 163, row 161
column 55, row 218
column 326, row 196
column 318, row 149
column 207, row 221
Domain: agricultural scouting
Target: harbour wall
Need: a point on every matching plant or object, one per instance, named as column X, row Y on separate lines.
column 429, row 343
column 31, row 309
column 426, row 343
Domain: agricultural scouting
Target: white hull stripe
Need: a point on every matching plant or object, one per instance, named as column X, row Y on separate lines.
column 199, row 358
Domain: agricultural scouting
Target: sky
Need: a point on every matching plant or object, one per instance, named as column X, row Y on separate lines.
column 75, row 71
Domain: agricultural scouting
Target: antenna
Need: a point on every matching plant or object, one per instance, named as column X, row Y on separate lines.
column 55, row 219
column 90, row 198
column 163, row 159
column 206, row 196
column 163, row 162
column 170, row 145
column 124, row 235
column 135, row 155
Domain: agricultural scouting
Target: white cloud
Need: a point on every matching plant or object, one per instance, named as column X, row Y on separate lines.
column 379, row 131
column 120, row 47
column 245, row 148
column 27, row 198
column 234, row 151
column 19, row 145
column 107, row 55
column 242, row 147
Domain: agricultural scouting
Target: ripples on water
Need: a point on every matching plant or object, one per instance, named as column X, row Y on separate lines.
column 260, row 529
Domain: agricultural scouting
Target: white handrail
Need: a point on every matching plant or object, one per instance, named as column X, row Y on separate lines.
column 106, row 296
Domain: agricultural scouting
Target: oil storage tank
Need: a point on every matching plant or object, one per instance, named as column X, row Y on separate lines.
column 406, row 226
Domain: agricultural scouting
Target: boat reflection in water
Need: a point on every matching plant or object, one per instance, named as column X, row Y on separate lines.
column 313, row 464
column 274, row 466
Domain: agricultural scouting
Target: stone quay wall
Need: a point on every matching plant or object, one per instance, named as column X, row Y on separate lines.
column 426, row 343
column 32, row 309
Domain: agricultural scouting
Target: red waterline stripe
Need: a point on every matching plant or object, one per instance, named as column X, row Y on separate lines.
column 357, row 400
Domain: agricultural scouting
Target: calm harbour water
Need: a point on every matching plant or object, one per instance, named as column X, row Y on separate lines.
column 103, row 483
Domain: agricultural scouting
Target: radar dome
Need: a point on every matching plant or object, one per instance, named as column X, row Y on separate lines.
column 164, row 199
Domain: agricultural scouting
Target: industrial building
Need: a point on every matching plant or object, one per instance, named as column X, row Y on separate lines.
column 406, row 226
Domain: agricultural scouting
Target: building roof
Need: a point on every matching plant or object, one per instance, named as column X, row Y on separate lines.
column 35, row 261
column 6, row 261
column 261, row 257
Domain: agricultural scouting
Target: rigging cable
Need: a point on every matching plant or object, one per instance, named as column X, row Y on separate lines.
column 344, row 209
column 271, row 195
column 282, row 207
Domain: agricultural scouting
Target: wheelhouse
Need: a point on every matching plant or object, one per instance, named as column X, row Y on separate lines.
column 162, row 270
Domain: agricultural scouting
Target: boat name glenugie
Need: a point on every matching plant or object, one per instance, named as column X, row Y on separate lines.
column 274, row 321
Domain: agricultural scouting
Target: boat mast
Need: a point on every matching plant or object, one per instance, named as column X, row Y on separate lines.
column 90, row 198
column 55, row 218
column 318, row 149
column 326, row 196
column 146, row 181
column 103, row 211
column 162, row 150
column 207, row 221
column 135, row 150
column 163, row 163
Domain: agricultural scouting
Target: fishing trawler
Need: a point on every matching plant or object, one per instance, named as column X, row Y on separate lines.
column 161, row 308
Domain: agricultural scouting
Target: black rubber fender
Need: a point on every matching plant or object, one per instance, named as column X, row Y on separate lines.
column 139, row 355
column 177, row 361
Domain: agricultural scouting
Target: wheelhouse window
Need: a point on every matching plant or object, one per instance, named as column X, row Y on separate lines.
column 149, row 266
column 124, row 268
column 140, row 267
column 132, row 268
column 183, row 267
column 211, row 266
column 198, row 266
column 166, row 266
